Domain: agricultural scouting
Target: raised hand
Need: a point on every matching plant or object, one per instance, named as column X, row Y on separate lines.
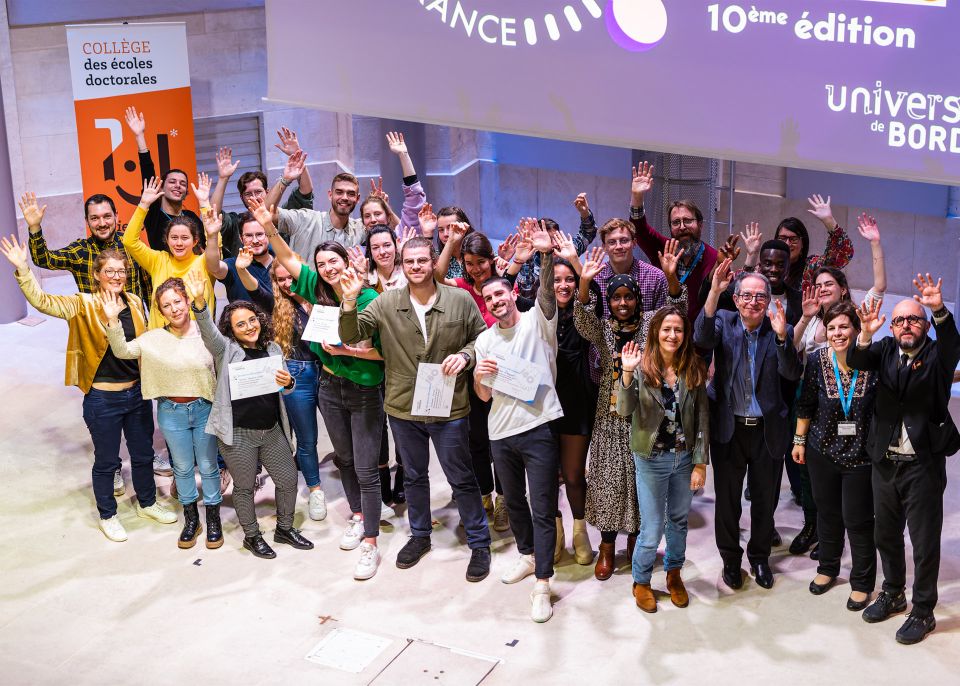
column 810, row 303
column 196, row 285
column 642, row 181
column 722, row 276
column 152, row 189
column 500, row 265
column 630, row 356
column 593, row 264
column 540, row 237
column 225, row 166
column 261, row 213
column 202, row 189
column 870, row 318
column 358, row 261
column 778, row 320
column 931, row 295
column 729, row 249
column 458, row 231
column 293, row 169
column 376, row 190
column 508, row 247
column 670, row 257
column 135, row 121
column 32, row 212
column 524, row 250
column 563, row 246
column 244, row 258
column 752, row 238
column 351, row 282
column 15, row 253
column 428, row 220
column 583, row 207
column 112, row 304
column 396, row 143
column 868, row 227
column 820, row 209
column 404, row 234
column 288, row 141
column 212, row 223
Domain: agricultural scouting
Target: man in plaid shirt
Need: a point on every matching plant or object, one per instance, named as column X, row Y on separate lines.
column 77, row 258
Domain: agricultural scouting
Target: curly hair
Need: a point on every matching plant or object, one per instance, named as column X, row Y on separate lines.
column 172, row 284
column 266, row 326
column 688, row 364
column 284, row 313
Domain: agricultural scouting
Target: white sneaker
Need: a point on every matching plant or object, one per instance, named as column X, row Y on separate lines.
column 317, row 505
column 386, row 512
column 521, row 569
column 368, row 562
column 119, row 488
column 542, row 608
column 161, row 464
column 113, row 529
column 501, row 520
column 157, row 513
column 353, row 535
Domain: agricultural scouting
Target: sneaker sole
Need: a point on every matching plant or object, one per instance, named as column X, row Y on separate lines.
column 925, row 634
column 895, row 611
column 144, row 515
column 114, row 540
column 408, row 565
column 362, row 577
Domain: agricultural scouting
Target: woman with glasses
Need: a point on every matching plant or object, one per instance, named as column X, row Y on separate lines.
column 112, row 403
column 833, row 419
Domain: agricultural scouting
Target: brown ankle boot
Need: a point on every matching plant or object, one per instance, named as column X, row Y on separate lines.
column 678, row 593
column 631, row 544
column 604, row 567
column 643, row 594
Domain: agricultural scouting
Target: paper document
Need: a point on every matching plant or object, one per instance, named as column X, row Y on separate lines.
column 515, row 377
column 254, row 377
column 433, row 394
column 348, row 650
column 322, row 327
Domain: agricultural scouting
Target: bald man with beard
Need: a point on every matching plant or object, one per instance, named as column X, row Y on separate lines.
column 910, row 436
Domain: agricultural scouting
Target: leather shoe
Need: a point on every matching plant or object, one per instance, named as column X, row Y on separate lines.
column 259, row 547
column 733, row 576
column 884, row 606
column 292, row 537
column 916, row 628
column 763, row 574
column 603, row 570
column 479, row 566
column 857, row 605
column 678, row 592
column 643, row 594
column 815, row 553
column 803, row 540
column 776, row 541
column 412, row 551
column 820, row 589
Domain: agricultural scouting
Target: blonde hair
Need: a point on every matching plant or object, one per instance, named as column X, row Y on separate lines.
column 284, row 313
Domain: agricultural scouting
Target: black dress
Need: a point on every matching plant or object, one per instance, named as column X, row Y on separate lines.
column 577, row 393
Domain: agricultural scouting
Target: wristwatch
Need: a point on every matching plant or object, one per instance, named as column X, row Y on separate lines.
column 467, row 357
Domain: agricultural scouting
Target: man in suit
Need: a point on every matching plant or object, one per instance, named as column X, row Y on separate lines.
column 910, row 436
column 755, row 364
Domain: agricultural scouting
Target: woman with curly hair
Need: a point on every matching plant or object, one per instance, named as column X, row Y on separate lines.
column 254, row 429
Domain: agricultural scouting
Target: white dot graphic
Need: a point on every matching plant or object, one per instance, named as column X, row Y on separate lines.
column 644, row 21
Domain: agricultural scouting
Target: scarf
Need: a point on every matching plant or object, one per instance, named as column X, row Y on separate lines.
column 623, row 331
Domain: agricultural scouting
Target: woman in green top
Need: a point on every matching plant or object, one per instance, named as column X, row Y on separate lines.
column 350, row 397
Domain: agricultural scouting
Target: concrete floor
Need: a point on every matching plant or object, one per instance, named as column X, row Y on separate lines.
column 76, row 607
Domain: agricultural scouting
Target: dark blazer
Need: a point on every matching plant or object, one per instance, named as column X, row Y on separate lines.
column 778, row 366
column 923, row 403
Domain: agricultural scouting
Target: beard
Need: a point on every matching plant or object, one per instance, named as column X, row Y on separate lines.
column 915, row 344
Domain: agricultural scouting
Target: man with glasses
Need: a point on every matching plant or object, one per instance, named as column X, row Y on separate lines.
column 749, row 421
column 910, row 436
column 617, row 237
column 257, row 248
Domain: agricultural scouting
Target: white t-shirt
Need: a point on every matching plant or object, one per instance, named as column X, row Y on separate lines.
column 534, row 339
column 421, row 312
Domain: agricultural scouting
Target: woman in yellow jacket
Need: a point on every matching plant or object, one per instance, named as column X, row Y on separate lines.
column 112, row 403
column 182, row 236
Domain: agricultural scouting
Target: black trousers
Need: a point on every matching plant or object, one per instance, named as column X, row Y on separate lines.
column 844, row 497
column 480, row 453
column 910, row 493
column 745, row 455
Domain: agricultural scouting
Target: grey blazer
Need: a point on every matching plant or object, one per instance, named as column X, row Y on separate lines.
column 646, row 406
column 226, row 350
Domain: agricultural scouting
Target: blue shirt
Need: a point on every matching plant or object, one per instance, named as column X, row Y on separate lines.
column 744, row 398
column 235, row 287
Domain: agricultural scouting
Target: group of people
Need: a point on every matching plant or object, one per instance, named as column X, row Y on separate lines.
column 551, row 350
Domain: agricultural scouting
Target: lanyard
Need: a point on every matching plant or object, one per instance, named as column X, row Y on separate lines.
column 846, row 399
column 693, row 265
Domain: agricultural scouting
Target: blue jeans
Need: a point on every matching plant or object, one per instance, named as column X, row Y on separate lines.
column 302, row 411
column 664, row 495
column 451, row 442
column 183, row 427
column 108, row 415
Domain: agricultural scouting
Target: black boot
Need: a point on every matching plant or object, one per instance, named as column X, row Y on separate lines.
column 214, row 528
column 191, row 526
column 399, row 496
column 386, row 493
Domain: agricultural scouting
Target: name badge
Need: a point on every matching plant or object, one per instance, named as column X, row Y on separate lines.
column 846, row 429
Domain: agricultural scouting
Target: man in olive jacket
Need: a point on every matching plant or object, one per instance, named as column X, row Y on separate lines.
column 427, row 323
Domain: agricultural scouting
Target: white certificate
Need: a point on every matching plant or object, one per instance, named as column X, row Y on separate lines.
column 322, row 327
column 433, row 394
column 254, row 377
column 515, row 377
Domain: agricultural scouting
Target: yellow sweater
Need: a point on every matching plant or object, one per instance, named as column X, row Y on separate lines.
column 161, row 265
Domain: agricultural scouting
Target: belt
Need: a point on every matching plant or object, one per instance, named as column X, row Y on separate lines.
column 748, row 421
column 900, row 457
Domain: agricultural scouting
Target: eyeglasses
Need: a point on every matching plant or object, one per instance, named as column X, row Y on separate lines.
column 791, row 239
column 685, row 222
column 249, row 324
column 753, row 297
column 912, row 320
column 114, row 273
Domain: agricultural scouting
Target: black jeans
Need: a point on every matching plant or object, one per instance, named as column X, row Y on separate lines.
column 108, row 414
column 745, row 455
column 480, row 451
column 353, row 416
column 910, row 493
column 844, row 498
column 531, row 456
